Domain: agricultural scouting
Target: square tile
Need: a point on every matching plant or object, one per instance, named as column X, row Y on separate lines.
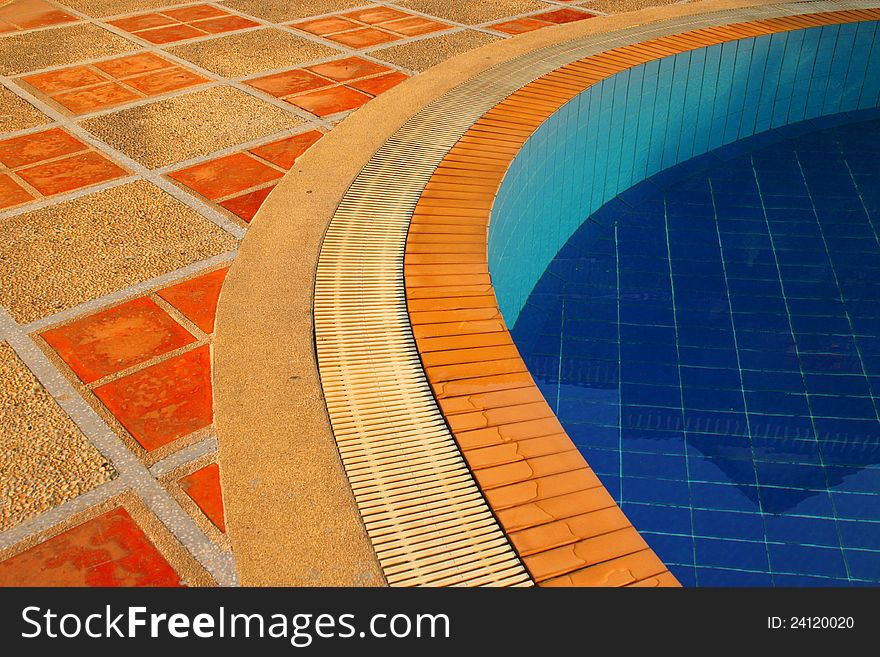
column 142, row 22
column 289, row 82
column 333, row 100
column 71, row 173
column 562, row 16
column 224, row 24
column 164, row 81
column 284, row 152
column 197, row 298
column 245, row 206
column 11, row 193
column 115, row 339
column 380, row 83
column 44, row 458
column 226, row 175
column 203, row 486
column 377, row 14
column 62, row 255
column 163, row 402
column 31, row 14
column 179, row 128
column 363, row 38
column 415, row 26
column 520, row 25
column 194, row 13
column 38, row 146
column 123, row 67
column 348, row 68
column 110, row 550
column 96, row 98
column 64, row 80
column 328, row 25
column 170, row 34
column 247, row 53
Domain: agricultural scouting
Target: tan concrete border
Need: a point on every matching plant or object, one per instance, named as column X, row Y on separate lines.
column 290, row 512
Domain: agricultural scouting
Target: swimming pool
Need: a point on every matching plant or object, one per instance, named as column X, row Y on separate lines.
column 688, row 256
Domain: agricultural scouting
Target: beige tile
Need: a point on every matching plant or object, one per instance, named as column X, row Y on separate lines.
column 422, row 55
column 280, row 11
column 57, row 47
column 251, row 52
column 18, row 114
column 473, row 12
column 44, row 459
column 57, row 257
column 178, row 128
column 101, row 8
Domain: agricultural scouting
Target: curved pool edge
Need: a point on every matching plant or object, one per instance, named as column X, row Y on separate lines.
column 279, row 458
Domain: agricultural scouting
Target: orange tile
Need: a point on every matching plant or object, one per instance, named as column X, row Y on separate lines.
column 197, row 298
column 560, row 16
column 11, row 193
column 95, row 98
column 224, row 24
column 364, row 38
column 203, row 486
column 555, row 508
column 541, row 488
column 641, row 568
column 163, row 402
column 171, row 33
column 333, row 100
column 289, row 82
column 380, row 83
column 142, row 22
column 568, row 558
column 65, row 79
column 30, row 14
column 569, row 530
column 194, row 13
column 284, row 152
column 6, row 28
column 70, row 173
column 245, row 206
column 520, row 26
column 37, row 147
column 165, row 80
column 415, row 26
column 115, row 339
column 325, row 26
column 110, row 550
column 373, row 15
column 349, row 68
column 226, row 175
column 133, row 65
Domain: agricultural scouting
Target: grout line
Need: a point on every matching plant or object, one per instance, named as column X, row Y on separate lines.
column 184, row 456
column 132, row 473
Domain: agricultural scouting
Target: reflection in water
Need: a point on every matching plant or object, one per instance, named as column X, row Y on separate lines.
column 711, row 341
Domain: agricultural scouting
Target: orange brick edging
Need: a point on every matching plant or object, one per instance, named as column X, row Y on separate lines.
column 564, row 525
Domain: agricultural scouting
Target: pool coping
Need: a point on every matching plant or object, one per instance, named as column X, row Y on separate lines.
column 270, row 409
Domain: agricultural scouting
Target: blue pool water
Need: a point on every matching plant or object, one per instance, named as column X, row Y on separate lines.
column 710, row 339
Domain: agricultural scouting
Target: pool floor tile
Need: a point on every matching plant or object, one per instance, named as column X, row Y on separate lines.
column 163, row 402
column 197, row 298
column 203, row 486
column 110, row 550
column 115, row 339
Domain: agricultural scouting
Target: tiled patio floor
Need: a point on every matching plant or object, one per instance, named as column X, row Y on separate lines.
column 137, row 143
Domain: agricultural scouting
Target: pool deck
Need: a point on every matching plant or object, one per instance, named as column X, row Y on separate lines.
column 128, row 183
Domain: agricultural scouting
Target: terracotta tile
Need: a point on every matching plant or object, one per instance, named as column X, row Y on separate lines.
column 561, row 16
column 541, row 488
column 115, row 339
column 635, row 569
column 133, row 65
column 569, row 530
column 555, row 508
column 171, row 33
column 142, row 22
column 65, row 79
column 520, row 26
column 70, row 173
column 7, row 27
column 325, row 26
column 95, row 98
column 427, row 345
column 364, row 38
column 373, row 15
column 37, row 147
column 454, row 405
column 55, row 17
column 349, row 68
column 487, row 457
column 284, row 152
column 11, row 193
column 197, row 298
column 333, row 100
column 470, row 355
column 226, row 175
column 203, row 486
column 498, row 435
column 110, row 550
column 415, row 26
column 166, row 80
column 592, row 551
column 380, row 83
column 224, row 24
column 245, row 206
column 289, row 82
column 194, row 13
column 163, row 402
column 482, row 384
